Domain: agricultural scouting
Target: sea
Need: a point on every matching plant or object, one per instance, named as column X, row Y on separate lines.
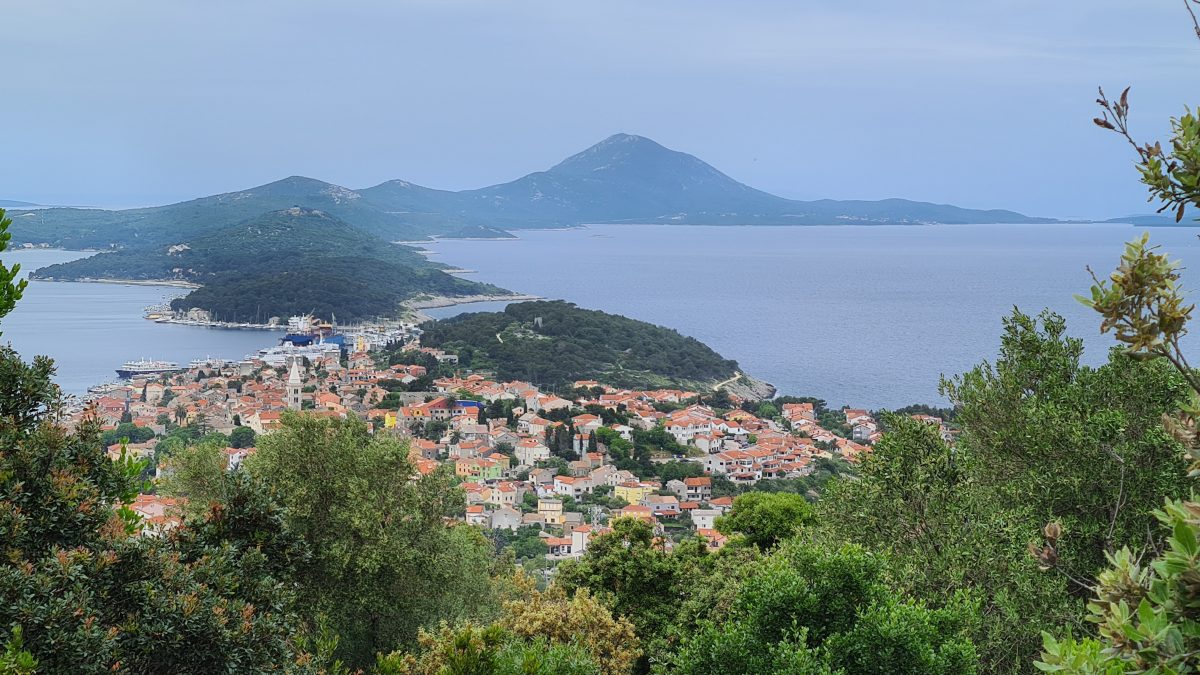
column 90, row 329
column 863, row 316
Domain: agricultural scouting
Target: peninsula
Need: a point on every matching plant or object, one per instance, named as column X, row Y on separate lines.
column 281, row 263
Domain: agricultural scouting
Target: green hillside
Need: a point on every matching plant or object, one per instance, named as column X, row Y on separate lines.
column 556, row 343
column 281, row 263
column 98, row 228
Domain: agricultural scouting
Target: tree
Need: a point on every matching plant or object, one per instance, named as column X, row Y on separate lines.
column 196, row 473
column 83, row 593
column 720, row 399
column 529, row 544
column 815, row 608
column 915, row 500
column 1146, row 612
column 241, row 437
column 10, row 289
column 626, row 570
column 384, row 562
column 467, row 649
column 677, row 470
column 1045, row 442
column 1090, row 442
column 764, row 519
column 579, row 619
column 128, row 431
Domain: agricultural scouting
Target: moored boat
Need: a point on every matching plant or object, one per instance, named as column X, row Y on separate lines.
column 132, row 369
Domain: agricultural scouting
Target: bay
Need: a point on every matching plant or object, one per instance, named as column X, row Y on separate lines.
column 866, row 316
column 90, row 329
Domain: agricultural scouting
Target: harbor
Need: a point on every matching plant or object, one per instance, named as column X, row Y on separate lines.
column 306, row 337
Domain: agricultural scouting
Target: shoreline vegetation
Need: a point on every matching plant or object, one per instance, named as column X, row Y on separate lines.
column 411, row 308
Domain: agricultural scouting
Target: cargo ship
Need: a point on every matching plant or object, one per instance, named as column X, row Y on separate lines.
column 133, row 369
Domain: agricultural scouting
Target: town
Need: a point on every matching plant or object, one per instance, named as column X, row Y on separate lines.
column 543, row 471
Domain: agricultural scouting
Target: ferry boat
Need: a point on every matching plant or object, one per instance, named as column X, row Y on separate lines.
column 146, row 367
column 206, row 362
column 306, row 330
column 285, row 352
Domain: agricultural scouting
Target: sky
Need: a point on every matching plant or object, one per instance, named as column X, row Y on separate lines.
column 983, row 105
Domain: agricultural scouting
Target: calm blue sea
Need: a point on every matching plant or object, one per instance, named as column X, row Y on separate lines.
column 91, row 329
column 868, row 316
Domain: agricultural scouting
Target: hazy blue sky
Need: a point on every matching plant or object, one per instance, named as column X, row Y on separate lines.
column 980, row 104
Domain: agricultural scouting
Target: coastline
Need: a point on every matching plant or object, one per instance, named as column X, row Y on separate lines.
column 223, row 325
column 411, row 307
column 173, row 283
column 415, row 306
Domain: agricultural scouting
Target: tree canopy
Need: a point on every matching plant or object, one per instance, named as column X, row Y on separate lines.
column 556, row 343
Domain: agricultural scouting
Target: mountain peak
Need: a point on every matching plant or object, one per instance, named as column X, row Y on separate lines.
column 303, row 182
column 627, row 138
column 621, row 152
column 303, row 186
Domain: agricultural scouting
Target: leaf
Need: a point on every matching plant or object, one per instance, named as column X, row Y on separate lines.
column 1185, row 537
column 1049, row 643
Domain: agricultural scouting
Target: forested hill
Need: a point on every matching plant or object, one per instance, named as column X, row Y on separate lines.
column 556, row 343
column 100, row 228
column 281, row 263
column 622, row 179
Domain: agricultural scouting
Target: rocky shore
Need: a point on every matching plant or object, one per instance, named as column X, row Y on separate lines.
column 415, row 305
column 747, row 387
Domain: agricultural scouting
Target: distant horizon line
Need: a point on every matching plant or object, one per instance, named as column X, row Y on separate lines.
column 123, row 204
column 119, row 202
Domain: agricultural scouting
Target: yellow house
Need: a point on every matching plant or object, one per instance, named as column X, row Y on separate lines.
column 466, row 468
column 551, row 509
column 388, row 416
column 633, row 492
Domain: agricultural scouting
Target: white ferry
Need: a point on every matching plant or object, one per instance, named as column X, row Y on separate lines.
column 146, row 367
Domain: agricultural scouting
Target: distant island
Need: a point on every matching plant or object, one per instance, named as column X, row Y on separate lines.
column 1158, row 220
column 557, row 343
column 13, row 204
column 282, row 263
column 623, row 179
